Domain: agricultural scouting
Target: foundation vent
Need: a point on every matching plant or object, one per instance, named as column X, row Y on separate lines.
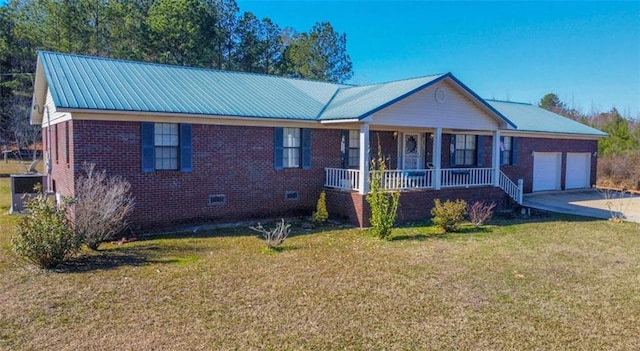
column 291, row 195
column 217, row 199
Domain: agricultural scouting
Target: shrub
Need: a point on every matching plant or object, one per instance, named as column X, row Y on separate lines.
column 321, row 215
column 616, row 203
column 619, row 171
column 384, row 204
column 45, row 236
column 275, row 237
column 448, row 215
column 480, row 212
column 100, row 207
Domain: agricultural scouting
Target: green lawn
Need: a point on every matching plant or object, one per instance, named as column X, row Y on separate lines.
column 545, row 283
column 13, row 166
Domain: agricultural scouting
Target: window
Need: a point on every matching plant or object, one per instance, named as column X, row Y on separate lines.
column 505, row 149
column 354, row 149
column 166, row 147
column 508, row 150
column 465, row 150
column 292, row 148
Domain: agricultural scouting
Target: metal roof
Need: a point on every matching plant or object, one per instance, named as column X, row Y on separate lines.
column 92, row 83
column 360, row 101
column 531, row 118
column 83, row 82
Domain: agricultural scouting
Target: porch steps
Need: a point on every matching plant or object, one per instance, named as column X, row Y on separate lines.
column 512, row 189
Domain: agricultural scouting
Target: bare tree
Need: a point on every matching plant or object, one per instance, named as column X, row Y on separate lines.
column 101, row 206
column 25, row 135
column 273, row 238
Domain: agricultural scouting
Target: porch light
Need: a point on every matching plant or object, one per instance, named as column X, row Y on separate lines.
column 395, row 135
column 595, row 154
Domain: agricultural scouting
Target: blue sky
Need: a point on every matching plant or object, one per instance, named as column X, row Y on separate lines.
column 588, row 53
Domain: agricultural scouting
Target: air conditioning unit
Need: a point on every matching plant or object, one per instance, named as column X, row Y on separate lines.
column 23, row 188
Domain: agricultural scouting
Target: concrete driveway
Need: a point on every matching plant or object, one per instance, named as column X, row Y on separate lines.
column 587, row 202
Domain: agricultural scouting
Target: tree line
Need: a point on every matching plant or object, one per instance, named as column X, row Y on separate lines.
column 198, row 33
column 619, row 153
column 210, row 34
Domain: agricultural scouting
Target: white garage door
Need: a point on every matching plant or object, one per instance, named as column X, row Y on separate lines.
column 578, row 173
column 546, row 170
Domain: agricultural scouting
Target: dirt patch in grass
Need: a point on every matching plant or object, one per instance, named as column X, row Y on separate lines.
column 549, row 283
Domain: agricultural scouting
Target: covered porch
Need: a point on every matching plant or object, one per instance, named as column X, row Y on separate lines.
column 440, row 140
column 419, row 162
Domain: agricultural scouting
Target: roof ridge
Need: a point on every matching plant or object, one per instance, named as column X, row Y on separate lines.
column 326, row 105
column 398, row 80
column 147, row 63
column 510, row 102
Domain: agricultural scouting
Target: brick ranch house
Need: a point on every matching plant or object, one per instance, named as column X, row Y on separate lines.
column 202, row 145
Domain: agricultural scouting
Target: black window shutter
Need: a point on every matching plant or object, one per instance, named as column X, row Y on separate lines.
column 345, row 154
column 452, row 149
column 278, row 149
column 306, row 148
column 147, row 137
column 514, row 150
column 479, row 149
column 186, row 164
column 501, row 151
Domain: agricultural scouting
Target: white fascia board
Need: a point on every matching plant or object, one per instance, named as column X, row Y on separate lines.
column 136, row 116
column 39, row 100
column 346, row 120
column 525, row 134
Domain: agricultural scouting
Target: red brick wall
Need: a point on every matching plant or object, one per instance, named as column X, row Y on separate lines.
column 229, row 160
column 346, row 205
column 388, row 145
column 414, row 205
column 61, row 149
column 238, row 162
column 524, row 168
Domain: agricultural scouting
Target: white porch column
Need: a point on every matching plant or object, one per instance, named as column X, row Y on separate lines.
column 437, row 158
column 363, row 176
column 495, row 159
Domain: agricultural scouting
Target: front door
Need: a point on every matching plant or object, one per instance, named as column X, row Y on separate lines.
column 411, row 148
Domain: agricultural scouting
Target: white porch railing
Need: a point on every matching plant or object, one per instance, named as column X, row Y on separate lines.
column 340, row 178
column 464, row 177
column 398, row 179
column 512, row 189
column 347, row 179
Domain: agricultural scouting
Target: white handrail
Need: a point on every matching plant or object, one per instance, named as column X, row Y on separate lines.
column 464, row 177
column 347, row 179
column 512, row 189
column 398, row 179
column 340, row 178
